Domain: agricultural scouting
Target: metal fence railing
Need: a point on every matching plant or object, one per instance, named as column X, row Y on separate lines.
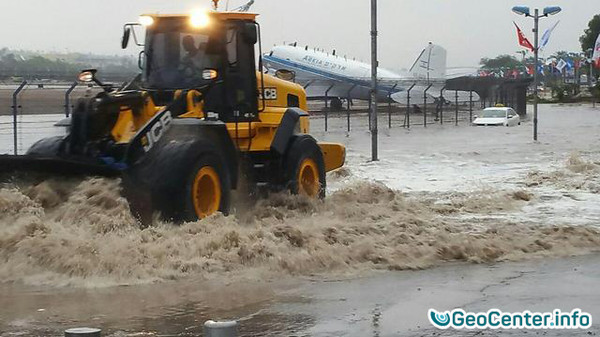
column 422, row 110
column 29, row 110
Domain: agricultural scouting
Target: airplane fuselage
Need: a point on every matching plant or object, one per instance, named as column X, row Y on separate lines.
column 327, row 75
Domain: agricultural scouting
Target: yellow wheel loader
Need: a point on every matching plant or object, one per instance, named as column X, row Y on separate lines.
column 198, row 121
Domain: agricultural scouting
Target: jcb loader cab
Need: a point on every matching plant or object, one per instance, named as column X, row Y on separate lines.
column 198, row 122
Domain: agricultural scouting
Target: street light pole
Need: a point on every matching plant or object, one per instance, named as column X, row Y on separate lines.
column 522, row 10
column 374, row 64
column 536, row 49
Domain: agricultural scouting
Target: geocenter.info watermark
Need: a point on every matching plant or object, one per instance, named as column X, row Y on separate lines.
column 497, row 319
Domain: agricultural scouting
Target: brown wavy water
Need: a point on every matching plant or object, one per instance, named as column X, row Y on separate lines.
column 80, row 233
column 577, row 174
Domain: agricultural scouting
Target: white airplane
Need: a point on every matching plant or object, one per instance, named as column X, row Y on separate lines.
column 334, row 77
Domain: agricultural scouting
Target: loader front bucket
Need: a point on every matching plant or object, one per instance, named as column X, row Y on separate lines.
column 15, row 165
column 30, row 169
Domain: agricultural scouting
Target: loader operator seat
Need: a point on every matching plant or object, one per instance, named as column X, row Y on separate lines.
column 189, row 46
column 191, row 64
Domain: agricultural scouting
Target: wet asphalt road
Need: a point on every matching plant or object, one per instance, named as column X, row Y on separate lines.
column 396, row 304
column 380, row 305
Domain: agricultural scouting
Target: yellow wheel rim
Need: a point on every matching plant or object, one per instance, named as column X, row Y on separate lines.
column 308, row 178
column 206, row 192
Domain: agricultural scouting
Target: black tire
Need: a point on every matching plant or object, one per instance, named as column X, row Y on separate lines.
column 163, row 181
column 336, row 104
column 304, row 147
column 47, row 147
column 214, row 161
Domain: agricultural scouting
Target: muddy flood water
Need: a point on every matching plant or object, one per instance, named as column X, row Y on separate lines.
column 443, row 202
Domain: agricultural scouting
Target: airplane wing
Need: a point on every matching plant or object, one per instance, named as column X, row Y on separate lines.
column 461, row 72
column 463, row 96
column 417, row 94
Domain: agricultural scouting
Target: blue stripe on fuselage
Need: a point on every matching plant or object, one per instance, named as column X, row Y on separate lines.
column 328, row 75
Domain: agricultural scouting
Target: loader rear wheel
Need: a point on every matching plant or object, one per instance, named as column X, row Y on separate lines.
column 205, row 190
column 308, row 178
column 305, row 168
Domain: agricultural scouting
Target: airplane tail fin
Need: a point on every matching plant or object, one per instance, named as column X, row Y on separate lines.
column 431, row 63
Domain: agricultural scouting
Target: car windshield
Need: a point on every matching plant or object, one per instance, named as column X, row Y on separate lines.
column 176, row 58
column 494, row 113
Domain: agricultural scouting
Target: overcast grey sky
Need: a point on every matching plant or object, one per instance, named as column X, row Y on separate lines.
column 469, row 29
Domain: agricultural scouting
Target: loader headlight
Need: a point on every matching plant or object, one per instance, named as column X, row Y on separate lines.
column 199, row 19
column 209, row 74
column 146, row 20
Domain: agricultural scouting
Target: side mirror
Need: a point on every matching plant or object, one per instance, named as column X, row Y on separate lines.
column 125, row 39
column 250, row 34
column 141, row 60
column 475, row 116
column 88, row 75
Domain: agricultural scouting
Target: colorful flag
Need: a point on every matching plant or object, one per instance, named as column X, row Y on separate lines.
column 596, row 56
column 561, row 65
column 522, row 39
column 570, row 64
column 546, row 37
column 530, row 69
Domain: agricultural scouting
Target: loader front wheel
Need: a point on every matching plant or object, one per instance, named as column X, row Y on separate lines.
column 306, row 168
column 47, row 147
column 183, row 181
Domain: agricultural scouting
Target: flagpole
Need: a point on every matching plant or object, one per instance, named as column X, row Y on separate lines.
column 590, row 79
column 591, row 68
column 536, row 19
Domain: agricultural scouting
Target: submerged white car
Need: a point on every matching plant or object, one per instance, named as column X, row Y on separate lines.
column 498, row 117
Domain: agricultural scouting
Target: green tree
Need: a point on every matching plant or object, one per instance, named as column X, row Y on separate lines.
column 62, row 66
column 596, row 91
column 588, row 39
column 561, row 54
column 499, row 62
